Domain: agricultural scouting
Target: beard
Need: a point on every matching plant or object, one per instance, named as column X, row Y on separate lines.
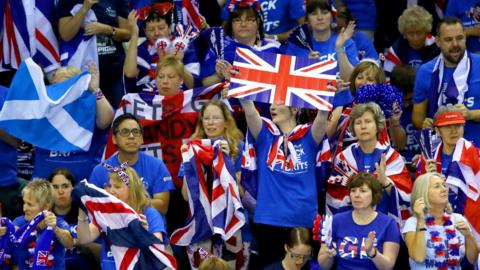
column 451, row 59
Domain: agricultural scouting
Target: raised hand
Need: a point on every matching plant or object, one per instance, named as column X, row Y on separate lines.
column 345, row 34
column 369, row 243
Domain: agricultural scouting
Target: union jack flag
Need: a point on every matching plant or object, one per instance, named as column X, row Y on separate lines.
column 189, row 14
column 132, row 246
column 463, row 179
column 283, row 79
column 346, row 164
column 217, row 213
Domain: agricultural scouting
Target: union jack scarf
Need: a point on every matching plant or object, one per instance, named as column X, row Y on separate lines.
column 219, row 212
column 349, row 162
column 132, row 246
column 456, row 88
column 463, row 178
column 41, row 258
column 6, row 248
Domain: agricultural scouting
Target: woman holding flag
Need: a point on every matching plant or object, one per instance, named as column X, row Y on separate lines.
column 437, row 238
column 215, row 125
column 125, row 184
column 287, row 187
column 40, row 235
column 362, row 238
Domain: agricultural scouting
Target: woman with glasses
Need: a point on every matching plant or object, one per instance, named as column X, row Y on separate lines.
column 62, row 180
column 298, row 251
column 362, row 238
column 321, row 42
column 216, row 123
column 140, row 64
column 243, row 29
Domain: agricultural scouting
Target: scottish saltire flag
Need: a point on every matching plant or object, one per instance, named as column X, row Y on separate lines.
column 132, row 246
column 59, row 117
column 348, row 163
column 45, row 52
column 168, row 122
column 283, row 79
column 27, row 31
column 219, row 212
column 81, row 50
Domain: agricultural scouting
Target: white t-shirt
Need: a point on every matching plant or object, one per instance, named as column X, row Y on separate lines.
column 411, row 226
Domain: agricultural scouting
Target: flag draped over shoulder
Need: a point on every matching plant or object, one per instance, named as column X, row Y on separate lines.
column 167, row 122
column 58, row 117
column 27, row 31
column 346, row 165
column 132, row 246
column 463, row 178
column 218, row 211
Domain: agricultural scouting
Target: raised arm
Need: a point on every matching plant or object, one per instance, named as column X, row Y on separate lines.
column 254, row 121
column 344, row 64
column 415, row 240
column 68, row 26
column 319, row 126
column 104, row 111
column 130, row 69
column 63, row 236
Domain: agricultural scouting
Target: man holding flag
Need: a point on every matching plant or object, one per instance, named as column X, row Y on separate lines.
column 459, row 160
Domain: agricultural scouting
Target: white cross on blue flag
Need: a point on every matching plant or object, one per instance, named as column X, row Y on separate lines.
column 59, row 117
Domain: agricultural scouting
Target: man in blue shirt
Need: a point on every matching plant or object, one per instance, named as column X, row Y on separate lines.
column 128, row 137
column 451, row 78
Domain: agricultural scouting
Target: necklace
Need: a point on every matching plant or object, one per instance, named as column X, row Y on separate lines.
column 445, row 256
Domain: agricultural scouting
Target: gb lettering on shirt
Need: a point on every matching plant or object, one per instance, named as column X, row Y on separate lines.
column 350, row 247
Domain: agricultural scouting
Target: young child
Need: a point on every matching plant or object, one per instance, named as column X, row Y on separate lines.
column 44, row 243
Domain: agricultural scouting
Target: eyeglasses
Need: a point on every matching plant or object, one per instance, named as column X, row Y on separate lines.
column 215, row 119
column 125, row 132
column 248, row 20
column 298, row 257
column 62, row 186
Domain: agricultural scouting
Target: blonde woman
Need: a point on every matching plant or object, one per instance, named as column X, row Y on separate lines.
column 436, row 237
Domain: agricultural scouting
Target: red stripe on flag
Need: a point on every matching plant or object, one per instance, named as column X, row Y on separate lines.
column 46, row 43
column 282, row 85
column 321, row 64
column 321, row 101
column 127, row 258
column 110, row 208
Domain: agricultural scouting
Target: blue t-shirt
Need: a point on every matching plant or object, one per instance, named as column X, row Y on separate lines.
column 468, row 11
column 8, row 160
column 364, row 12
column 326, row 50
column 286, row 198
column 155, row 225
column 152, row 172
column 350, row 239
column 364, row 46
column 79, row 163
column 279, row 15
column 414, row 58
column 471, row 100
column 411, row 147
column 22, row 255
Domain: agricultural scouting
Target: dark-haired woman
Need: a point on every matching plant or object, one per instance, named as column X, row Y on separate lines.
column 362, row 238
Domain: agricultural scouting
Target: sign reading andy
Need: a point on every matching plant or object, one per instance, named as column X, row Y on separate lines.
column 59, row 117
column 282, row 79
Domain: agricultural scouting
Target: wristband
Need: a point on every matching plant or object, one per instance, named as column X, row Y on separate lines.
column 99, row 94
column 422, row 229
column 387, row 186
column 340, row 50
column 82, row 219
column 374, row 254
column 114, row 31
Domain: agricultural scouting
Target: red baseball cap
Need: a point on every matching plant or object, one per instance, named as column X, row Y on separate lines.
column 449, row 118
